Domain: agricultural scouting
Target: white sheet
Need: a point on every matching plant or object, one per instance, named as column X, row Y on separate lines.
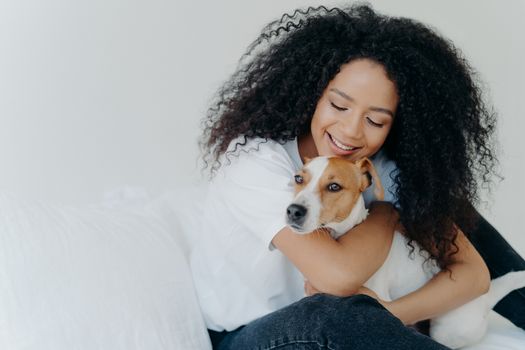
column 502, row 335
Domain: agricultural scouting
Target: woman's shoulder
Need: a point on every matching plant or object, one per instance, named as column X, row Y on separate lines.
column 257, row 157
column 383, row 164
column 256, row 145
column 386, row 170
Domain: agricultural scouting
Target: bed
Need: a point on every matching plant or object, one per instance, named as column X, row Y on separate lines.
column 114, row 276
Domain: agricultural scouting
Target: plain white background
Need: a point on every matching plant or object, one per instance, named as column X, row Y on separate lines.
column 101, row 94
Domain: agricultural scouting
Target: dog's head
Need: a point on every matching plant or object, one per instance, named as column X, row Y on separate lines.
column 328, row 194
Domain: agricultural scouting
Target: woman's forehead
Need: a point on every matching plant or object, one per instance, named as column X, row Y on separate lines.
column 365, row 81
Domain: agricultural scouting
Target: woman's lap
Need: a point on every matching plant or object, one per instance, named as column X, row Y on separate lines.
column 360, row 322
column 326, row 322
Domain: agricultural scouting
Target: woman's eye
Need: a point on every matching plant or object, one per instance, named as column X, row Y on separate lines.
column 298, row 179
column 337, row 107
column 373, row 123
column 333, row 187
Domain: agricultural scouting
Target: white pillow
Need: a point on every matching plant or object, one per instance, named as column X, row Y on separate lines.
column 79, row 278
column 181, row 210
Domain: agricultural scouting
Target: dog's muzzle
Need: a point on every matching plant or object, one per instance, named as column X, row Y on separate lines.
column 296, row 214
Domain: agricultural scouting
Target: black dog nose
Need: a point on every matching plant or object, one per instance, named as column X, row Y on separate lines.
column 296, row 213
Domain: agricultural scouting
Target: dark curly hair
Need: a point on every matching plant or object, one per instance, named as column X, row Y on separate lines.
column 441, row 139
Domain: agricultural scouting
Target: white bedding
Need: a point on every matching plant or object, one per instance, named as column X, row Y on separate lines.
column 114, row 277
column 93, row 279
column 502, row 334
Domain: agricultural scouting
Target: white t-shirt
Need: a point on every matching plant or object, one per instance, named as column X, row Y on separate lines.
column 238, row 275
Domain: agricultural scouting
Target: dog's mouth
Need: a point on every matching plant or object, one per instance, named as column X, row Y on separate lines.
column 297, row 228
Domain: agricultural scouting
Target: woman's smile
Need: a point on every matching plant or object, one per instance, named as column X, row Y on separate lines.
column 354, row 114
column 339, row 148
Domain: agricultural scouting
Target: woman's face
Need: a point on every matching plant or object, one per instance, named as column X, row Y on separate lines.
column 355, row 113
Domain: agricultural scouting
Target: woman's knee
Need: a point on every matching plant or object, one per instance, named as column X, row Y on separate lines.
column 333, row 305
column 327, row 314
column 324, row 321
column 353, row 309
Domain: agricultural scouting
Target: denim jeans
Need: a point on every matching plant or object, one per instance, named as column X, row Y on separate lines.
column 328, row 322
column 359, row 322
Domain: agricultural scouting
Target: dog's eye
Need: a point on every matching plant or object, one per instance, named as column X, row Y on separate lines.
column 333, row 187
column 298, row 179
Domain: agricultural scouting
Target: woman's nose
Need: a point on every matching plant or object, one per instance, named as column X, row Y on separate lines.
column 353, row 125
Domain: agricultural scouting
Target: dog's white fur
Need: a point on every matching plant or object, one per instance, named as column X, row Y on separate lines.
column 403, row 272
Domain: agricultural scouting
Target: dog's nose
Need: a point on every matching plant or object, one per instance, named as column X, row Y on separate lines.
column 296, row 213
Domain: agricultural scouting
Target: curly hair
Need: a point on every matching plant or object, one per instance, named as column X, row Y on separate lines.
column 441, row 139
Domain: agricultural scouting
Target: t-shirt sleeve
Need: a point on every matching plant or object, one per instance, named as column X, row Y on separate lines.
column 256, row 188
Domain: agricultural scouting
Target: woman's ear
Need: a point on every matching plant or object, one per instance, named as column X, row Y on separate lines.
column 369, row 176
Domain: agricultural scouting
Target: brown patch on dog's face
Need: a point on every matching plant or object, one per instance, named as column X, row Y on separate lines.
column 339, row 188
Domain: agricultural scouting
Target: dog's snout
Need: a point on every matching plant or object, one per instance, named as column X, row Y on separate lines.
column 296, row 213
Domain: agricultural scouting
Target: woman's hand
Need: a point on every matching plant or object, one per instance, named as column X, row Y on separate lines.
column 309, row 289
column 371, row 293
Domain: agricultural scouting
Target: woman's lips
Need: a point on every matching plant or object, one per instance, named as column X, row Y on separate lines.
column 338, row 150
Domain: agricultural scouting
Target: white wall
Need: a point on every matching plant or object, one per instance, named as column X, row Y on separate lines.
column 95, row 95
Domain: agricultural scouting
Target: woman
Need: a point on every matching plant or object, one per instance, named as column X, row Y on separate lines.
column 356, row 84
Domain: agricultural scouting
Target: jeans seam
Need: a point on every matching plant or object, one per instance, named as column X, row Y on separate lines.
column 300, row 342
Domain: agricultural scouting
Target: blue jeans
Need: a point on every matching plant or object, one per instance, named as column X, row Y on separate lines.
column 327, row 322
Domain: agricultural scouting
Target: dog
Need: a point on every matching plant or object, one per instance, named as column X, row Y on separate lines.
column 328, row 194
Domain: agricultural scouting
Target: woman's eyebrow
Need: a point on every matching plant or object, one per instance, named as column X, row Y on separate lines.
column 372, row 108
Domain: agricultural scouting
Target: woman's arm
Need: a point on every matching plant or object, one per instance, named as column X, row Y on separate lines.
column 470, row 278
column 341, row 267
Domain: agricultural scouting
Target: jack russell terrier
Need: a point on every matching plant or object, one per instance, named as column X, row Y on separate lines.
column 328, row 195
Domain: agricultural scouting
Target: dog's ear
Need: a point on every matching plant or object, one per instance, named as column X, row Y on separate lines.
column 369, row 176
